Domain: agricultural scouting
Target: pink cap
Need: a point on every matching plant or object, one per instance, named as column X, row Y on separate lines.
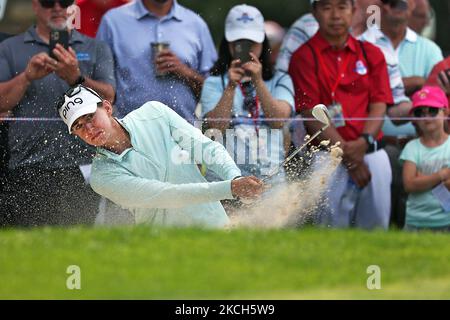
column 429, row 96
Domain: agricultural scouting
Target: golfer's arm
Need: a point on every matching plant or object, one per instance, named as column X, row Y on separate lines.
column 312, row 126
column 201, row 148
column 135, row 192
column 12, row 91
column 375, row 120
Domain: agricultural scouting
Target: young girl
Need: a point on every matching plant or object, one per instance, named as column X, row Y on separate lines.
column 426, row 172
column 244, row 94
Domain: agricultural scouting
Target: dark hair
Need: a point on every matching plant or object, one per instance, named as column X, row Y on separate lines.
column 222, row 65
column 314, row 4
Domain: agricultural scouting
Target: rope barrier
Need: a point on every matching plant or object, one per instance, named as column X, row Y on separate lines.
column 13, row 119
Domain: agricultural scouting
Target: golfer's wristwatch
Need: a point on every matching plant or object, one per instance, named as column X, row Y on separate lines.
column 371, row 142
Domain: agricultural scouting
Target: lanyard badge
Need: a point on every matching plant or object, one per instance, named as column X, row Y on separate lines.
column 335, row 109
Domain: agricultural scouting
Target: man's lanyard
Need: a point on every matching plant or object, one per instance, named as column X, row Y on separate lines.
column 340, row 75
column 254, row 111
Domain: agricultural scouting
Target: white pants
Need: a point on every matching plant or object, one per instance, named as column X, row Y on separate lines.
column 367, row 208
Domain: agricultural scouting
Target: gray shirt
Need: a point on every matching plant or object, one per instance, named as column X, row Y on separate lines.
column 43, row 139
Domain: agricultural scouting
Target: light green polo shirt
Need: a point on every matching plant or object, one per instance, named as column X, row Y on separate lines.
column 158, row 179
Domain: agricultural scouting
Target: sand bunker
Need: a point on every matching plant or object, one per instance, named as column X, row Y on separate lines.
column 292, row 203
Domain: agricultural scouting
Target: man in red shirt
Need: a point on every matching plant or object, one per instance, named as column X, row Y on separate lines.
column 351, row 78
column 92, row 12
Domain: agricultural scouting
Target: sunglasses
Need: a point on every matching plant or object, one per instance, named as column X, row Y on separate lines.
column 420, row 112
column 48, row 4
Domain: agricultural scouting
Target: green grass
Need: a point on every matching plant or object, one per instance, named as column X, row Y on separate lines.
column 144, row 263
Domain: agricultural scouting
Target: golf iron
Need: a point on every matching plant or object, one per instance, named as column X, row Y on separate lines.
column 320, row 113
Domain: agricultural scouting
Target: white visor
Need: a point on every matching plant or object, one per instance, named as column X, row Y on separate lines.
column 78, row 102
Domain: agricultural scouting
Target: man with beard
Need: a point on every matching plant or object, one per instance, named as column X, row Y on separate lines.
column 173, row 75
column 43, row 160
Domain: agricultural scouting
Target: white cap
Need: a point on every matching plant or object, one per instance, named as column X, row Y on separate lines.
column 244, row 22
column 77, row 102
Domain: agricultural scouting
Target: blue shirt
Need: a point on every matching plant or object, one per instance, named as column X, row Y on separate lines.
column 255, row 154
column 423, row 209
column 130, row 30
column 158, row 178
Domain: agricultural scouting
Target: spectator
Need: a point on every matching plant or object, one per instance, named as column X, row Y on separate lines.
column 417, row 55
column 275, row 35
column 351, row 78
column 412, row 53
column 306, row 26
column 440, row 76
column 141, row 166
column 300, row 32
column 420, row 17
column 426, row 172
column 92, row 12
column 130, row 30
column 248, row 95
column 42, row 160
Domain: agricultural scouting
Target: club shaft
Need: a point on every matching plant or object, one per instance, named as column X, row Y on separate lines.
column 292, row 155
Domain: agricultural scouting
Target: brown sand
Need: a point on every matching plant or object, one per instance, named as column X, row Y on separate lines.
column 292, row 203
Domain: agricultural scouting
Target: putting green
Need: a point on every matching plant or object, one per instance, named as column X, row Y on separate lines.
column 149, row 263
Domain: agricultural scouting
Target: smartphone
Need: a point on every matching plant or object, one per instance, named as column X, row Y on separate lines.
column 58, row 36
column 242, row 50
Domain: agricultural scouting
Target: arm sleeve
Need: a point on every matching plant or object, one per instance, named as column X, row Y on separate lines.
column 124, row 188
column 408, row 153
column 303, row 74
column 201, row 148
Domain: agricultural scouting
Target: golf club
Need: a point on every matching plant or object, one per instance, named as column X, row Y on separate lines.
column 320, row 113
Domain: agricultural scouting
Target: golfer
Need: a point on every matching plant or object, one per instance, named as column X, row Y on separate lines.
column 147, row 162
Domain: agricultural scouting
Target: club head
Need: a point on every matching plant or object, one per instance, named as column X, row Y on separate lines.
column 320, row 112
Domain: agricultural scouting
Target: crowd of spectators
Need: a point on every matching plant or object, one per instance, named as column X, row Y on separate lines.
column 386, row 87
